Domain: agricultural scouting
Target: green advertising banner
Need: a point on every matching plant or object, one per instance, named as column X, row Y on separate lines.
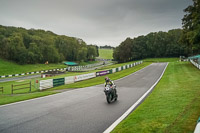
column 58, row 82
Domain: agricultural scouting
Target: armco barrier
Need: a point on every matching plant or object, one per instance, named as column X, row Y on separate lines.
column 101, row 73
column 197, row 129
column 28, row 73
column 195, row 64
column 110, row 71
column 124, row 67
column 69, row 80
column 114, row 70
column 45, row 84
column 119, row 69
column 80, row 68
column 84, row 76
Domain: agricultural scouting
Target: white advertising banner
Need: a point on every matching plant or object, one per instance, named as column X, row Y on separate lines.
column 113, row 70
column 69, row 80
column 84, row 76
column 44, row 84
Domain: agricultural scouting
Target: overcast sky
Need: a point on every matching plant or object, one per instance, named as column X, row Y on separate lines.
column 101, row 22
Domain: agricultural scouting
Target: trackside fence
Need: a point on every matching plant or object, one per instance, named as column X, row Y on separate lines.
column 1, row 90
column 197, row 129
column 58, row 82
column 81, row 68
column 195, row 64
column 29, row 73
column 21, row 87
column 50, row 83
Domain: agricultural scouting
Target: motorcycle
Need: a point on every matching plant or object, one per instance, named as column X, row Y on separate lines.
column 111, row 93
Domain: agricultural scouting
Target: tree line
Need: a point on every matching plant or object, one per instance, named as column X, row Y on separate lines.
column 38, row 46
column 107, row 47
column 153, row 45
column 174, row 43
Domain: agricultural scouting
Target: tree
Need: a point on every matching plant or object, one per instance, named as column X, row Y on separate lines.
column 82, row 54
column 92, row 52
column 37, row 46
column 191, row 28
column 158, row 44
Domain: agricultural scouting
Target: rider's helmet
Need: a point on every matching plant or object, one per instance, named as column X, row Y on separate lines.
column 107, row 79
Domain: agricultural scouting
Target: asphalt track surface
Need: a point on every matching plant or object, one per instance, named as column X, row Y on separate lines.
column 82, row 110
column 20, row 78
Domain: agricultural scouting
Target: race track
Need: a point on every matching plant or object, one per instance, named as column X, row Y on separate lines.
column 82, row 110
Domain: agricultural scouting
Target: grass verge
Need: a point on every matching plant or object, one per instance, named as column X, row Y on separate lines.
column 172, row 107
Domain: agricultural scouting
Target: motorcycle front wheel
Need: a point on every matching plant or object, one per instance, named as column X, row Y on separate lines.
column 109, row 98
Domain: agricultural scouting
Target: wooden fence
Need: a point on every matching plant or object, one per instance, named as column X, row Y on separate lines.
column 21, row 86
column 1, row 89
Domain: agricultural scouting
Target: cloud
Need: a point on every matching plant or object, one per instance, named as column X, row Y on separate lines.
column 102, row 22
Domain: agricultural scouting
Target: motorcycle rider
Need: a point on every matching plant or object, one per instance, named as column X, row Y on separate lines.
column 111, row 83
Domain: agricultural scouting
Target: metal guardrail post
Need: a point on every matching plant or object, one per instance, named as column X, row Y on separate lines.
column 30, row 86
column 1, row 89
column 12, row 88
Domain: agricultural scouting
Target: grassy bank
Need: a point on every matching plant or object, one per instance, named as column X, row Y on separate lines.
column 172, row 107
column 106, row 53
column 7, row 98
column 8, row 67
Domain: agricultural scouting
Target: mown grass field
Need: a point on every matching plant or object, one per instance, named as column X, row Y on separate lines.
column 105, row 53
column 172, row 107
column 20, row 95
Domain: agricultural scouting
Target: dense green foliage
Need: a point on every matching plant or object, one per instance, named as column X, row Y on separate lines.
column 153, row 45
column 172, row 107
column 191, row 28
column 38, row 46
